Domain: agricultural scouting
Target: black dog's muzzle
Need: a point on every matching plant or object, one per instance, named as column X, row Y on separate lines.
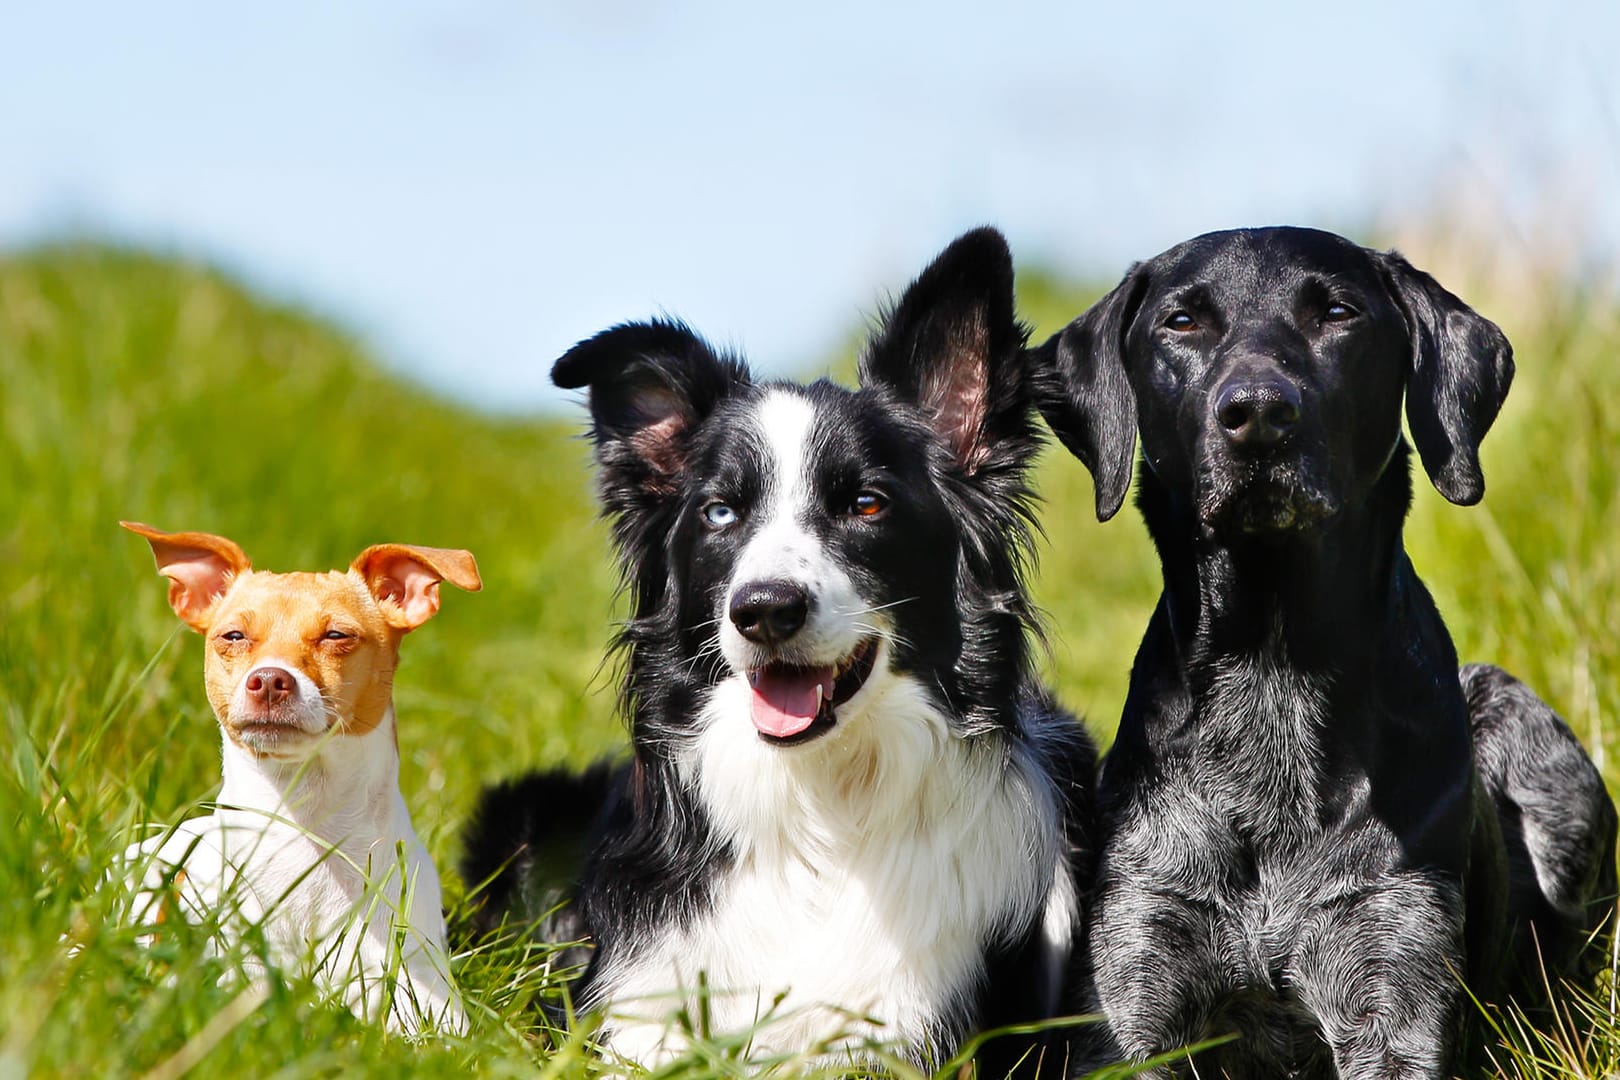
column 1257, row 474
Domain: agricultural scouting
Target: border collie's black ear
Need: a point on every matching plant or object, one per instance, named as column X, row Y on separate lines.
column 1085, row 395
column 1462, row 366
column 953, row 347
column 651, row 384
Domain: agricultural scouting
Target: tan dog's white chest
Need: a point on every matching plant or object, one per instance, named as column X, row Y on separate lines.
column 343, row 910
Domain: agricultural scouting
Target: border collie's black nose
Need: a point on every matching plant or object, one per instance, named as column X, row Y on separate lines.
column 1257, row 412
column 769, row 612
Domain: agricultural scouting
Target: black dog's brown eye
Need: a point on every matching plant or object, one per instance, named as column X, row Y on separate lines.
column 1337, row 312
column 868, row 504
column 1181, row 322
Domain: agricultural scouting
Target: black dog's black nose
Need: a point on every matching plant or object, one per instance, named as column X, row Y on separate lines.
column 769, row 612
column 1257, row 412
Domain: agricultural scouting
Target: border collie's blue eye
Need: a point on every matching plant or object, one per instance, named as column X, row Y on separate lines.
column 1337, row 312
column 1181, row 322
column 336, row 635
column 868, row 504
column 719, row 515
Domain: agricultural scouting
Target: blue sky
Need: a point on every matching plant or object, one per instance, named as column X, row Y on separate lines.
column 474, row 187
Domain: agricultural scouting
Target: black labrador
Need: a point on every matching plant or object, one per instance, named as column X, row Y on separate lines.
column 1311, row 829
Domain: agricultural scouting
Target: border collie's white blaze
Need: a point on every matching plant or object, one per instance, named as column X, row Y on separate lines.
column 848, row 790
column 835, row 648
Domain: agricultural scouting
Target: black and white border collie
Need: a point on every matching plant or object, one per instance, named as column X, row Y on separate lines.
column 847, row 786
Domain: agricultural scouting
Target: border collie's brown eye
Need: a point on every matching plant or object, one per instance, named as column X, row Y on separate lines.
column 1337, row 312
column 868, row 504
column 1181, row 322
column 233, row 636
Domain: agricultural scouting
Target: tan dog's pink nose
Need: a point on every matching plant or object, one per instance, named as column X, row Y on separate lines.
column 268, row 686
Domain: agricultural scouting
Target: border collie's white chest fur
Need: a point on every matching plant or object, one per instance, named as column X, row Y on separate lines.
column 867, row 869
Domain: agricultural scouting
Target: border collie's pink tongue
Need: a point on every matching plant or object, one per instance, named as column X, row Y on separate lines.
column 786, row 700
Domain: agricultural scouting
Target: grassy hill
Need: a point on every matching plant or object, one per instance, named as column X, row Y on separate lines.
column 135, row 387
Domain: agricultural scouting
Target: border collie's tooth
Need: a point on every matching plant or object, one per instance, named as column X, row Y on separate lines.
column 753, row 679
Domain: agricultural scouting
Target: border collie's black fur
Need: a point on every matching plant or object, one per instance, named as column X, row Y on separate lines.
column 846, row 782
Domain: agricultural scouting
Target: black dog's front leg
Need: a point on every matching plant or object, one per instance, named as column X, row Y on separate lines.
column 1158, row 971
column 1382, row 972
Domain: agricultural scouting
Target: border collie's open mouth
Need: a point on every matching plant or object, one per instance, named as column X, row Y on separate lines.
column 793, row 704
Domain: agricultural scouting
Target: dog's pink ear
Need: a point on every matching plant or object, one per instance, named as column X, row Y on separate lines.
column 952, row 346
column 651, row 385
column 405, row 579
column 199, row 566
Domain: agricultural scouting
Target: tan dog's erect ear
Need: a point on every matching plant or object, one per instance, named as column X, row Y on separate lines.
column 199, row 566
column 405, row 579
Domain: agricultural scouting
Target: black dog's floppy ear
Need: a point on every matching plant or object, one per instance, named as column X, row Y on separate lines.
column 651, row 384
column 1085, row 395
column 953, row 347
column 1462, row 366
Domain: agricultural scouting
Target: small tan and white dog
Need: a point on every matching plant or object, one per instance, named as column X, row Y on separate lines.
column 310, row 839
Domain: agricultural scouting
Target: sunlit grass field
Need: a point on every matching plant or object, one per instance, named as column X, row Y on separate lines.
column 134, row 387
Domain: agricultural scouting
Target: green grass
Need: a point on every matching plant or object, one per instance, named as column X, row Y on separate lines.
column 135, row 387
